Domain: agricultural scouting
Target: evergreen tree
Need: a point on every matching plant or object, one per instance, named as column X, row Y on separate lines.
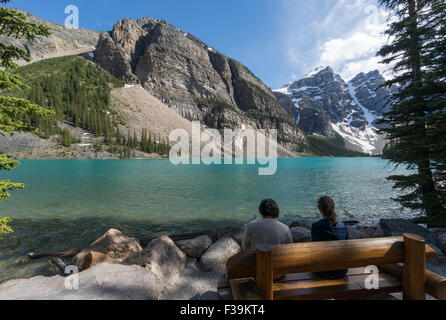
column 436, row 78
column 150, row 148
column 66, row 139
column 135, row 140
column 416, row 124
column 144, row 141
column 14, row 110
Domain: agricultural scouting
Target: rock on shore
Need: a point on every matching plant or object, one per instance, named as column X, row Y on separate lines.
column 441, row 241
column 112, row 247
column 195, row 283
column 214, row 259
column 102, row 282
column 163, row 258
column 396, row 227
column 189, row 268
column 195, row 247
column 301, row 234
column 356, row 233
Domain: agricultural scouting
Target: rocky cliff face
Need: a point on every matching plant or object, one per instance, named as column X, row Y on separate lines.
column 193, row 79
column 311, row 120
column 325, row 90
column 366, row 89
column 62, row 42
column 325, row 103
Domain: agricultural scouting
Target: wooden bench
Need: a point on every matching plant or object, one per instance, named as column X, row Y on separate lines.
column 401, row 261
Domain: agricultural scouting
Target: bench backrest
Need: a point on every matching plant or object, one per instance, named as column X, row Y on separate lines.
column 267, row 262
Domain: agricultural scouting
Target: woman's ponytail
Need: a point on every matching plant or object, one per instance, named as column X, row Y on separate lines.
column 327, row 206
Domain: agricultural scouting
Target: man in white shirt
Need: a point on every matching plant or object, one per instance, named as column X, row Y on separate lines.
column 268, row 230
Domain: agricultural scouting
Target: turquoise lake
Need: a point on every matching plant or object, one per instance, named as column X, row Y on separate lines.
column 70, row 203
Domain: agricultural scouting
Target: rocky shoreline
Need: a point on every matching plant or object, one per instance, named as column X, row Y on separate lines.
column 23, row 145
column 179, row 267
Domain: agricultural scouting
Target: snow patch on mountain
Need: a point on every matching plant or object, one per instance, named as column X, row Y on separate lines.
column 369, row 116
column 365, row 140
column 316, row 70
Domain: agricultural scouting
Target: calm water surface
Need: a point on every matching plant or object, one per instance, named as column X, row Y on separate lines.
column 70, row 203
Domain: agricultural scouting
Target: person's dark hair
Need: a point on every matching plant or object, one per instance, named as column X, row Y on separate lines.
column 269, row 208
column 327, row 206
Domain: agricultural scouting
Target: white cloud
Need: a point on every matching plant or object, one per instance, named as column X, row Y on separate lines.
column 344, row 34
column 356, row 51
column 357, row 46
column 351, row 69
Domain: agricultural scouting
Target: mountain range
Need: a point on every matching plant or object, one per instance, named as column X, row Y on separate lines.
column 197, row 82
column 322, row 103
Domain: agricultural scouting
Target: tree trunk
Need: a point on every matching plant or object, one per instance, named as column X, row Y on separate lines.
column 429, row 196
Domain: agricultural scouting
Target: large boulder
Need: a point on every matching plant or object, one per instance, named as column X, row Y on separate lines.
column 102, row 282
column 396, row 227
column 163, row 258
column 301, row 234
column 214, row 259
column 379, row 233
column 438, row 265
column 114, row 244
column 369, row 230
column 195, row 283
column 436, row 233
column 195, row 247
column 235, row 233
column 441, row 242
column 437, row 230
column 355, row 233
column 93, row 258
column 303, row 223
column 440, row 259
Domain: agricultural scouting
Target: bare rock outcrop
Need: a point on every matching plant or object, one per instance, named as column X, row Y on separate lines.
column 102, row 282
column 163, row 258
column 61, row 42
column 193, row 79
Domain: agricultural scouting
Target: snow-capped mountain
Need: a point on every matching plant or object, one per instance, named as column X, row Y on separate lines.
column 324, row 103
column 368, row 93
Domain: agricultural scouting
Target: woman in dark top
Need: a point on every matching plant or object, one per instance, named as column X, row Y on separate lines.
column 329, row 229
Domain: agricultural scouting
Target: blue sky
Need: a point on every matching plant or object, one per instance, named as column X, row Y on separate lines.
column 279, row 40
